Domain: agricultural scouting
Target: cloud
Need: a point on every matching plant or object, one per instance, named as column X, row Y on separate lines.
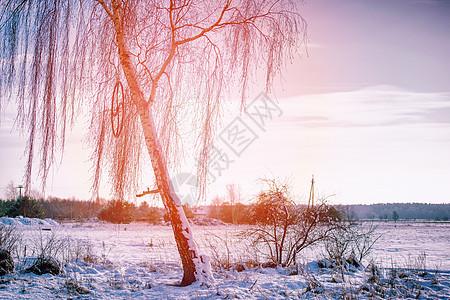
column 377, row 144
column 373, row 106
column 429, row 1
column 437, row 115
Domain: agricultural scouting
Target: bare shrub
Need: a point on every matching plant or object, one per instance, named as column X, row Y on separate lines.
column 313, row 284
column 363, row 240
column 350, row 243
column 229, row 251
column 406, row 279
column 79, row 250
column 9, row 237
column 337, row 245
column 47, row 250
column 49, row 245
column 220, row 250
column 284, row 229
column 420, row 264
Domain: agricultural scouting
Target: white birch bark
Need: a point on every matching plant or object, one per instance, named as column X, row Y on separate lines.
column 195, row 267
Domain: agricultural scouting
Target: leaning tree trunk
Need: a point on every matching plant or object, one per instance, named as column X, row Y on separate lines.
column 192, row 265
column 195, row 268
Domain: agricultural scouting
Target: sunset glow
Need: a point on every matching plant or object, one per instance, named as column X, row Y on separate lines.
column 198, row 149
column 366, row 110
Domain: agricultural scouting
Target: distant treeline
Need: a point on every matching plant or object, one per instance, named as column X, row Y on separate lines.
column 394, row 211
column 63, row 209
column 409, row 211
column 118, row 211
column 55, row 208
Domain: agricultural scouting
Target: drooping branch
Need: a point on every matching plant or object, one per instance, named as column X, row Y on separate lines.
column 187, row 57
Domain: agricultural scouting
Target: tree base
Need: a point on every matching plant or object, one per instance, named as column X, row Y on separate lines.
column 183, row 283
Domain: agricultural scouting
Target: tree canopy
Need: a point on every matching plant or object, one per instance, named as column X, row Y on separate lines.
column 58, row 56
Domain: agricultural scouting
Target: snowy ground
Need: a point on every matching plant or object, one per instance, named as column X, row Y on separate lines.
column 139, row 261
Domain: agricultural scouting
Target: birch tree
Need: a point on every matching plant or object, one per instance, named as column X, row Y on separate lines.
column 149, row 73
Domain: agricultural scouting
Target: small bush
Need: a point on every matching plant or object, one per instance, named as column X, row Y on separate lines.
column 6, row 262
column 149, row 214
column 45, row 265
column 226, row 212
column 27, row 207
column 73, row 287
column 117, row 211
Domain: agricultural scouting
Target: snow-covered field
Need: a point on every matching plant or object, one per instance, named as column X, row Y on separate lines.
column 140, row 261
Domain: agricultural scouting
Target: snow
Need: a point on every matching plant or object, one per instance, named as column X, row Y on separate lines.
column 9, row 221
column 140, row 261
column 203, row 272
column 51, row 222
column 20, row 220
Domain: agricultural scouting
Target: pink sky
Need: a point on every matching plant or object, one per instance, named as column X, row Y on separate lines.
column 367, row 112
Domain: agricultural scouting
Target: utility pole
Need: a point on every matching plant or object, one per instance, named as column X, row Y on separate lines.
column 311, row 194
column 20, row 187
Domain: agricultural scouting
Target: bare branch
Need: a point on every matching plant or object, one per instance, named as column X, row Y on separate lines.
column 105, row 7
column 147, row 192
column 205, row 30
